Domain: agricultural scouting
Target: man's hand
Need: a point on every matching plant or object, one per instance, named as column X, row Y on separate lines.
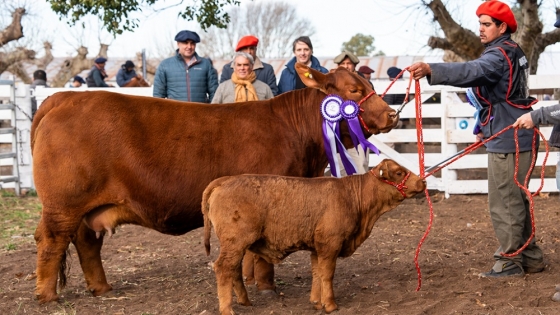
column 420, row 70
column 525, row 121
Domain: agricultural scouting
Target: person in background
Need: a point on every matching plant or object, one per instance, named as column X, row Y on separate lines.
column 499, row 79
column 243, row 85
column 394, row 99
column 366, row 73
column 39, row 79
column 263, row 71
column 97, row 74
column 77, row 81
column 303, row 51
column 186, row 76
column 126, row 73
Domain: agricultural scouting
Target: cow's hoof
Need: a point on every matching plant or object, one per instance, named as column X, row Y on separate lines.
column 100, row 290
column 244, row 303
column 317, row 305
column 330, row 307
column 46, row 298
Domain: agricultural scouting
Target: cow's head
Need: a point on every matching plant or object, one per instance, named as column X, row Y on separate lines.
column 376, row 114
column 406, row 182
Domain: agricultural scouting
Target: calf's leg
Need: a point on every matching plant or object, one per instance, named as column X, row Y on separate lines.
column 249, row 267
column 228, row 276
column 326, row 266
column 88, row 247
column 264, row 275
column 315, row 297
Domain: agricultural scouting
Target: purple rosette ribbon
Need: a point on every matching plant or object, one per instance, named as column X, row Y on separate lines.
column 350, row 111
column 330, row 109
column 334, row 109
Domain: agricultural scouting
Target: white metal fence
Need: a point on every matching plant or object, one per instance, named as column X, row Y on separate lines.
column 455, row 129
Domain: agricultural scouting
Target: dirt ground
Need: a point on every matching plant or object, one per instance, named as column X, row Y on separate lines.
column 153, row 273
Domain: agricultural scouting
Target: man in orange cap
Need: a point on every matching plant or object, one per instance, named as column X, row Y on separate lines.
column 264, row 71
column 498, row 81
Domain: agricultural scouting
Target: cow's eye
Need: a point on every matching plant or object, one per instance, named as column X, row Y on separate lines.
column 353, row 91
column 399, row 173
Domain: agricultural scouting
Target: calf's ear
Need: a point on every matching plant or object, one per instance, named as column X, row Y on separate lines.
column 311, row 77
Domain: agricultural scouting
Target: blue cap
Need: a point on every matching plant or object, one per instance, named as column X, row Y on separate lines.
column 79, row 79
column 184, row 36
column 100, row 60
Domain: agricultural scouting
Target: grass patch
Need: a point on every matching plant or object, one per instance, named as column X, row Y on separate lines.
column 18, row 219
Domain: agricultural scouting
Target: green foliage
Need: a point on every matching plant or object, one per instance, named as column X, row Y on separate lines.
column 115, row 13
column 11, row 246
column 360, row 45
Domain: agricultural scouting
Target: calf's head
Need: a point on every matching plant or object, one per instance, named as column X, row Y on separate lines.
column 406, row 182
column 376, row 114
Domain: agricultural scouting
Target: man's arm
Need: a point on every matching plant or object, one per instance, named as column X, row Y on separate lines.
column 212, row 83
column 543, row 115
column 160, row 83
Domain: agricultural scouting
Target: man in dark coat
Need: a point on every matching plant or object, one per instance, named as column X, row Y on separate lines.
column 499, row 82
column 97, row 74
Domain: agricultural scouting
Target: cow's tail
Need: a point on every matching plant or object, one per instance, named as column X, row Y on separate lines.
column 63, row 271
column 206, row 208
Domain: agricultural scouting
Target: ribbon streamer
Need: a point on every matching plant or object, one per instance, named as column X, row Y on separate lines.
column 333, row 110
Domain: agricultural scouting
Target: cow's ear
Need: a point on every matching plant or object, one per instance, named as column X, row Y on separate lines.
column 312, row 78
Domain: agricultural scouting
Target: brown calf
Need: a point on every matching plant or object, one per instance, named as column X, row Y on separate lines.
column 274, row 216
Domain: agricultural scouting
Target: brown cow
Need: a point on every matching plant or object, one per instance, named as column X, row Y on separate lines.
column 102, row 159
column 274, row 216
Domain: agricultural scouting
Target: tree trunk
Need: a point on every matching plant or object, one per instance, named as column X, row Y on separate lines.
column 71, row 67
column 14, row 31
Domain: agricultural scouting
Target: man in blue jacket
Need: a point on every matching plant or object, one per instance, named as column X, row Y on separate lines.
column 499, row 82
column 303, row 51
column 186, row 76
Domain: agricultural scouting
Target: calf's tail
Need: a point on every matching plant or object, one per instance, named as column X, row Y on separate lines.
column 206, row 208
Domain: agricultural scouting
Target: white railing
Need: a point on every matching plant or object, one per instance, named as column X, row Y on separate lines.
column 455, row 129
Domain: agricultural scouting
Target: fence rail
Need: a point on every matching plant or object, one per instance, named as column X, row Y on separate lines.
column 455, row 118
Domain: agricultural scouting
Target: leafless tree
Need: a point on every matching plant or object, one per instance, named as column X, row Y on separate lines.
column 275, row 24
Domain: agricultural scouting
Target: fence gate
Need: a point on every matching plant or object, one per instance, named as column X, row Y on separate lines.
column 8, row 134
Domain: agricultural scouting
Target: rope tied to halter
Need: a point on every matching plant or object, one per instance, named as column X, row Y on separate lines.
column 400, row 186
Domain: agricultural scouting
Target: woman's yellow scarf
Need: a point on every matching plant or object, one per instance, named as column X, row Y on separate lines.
column 245, row 85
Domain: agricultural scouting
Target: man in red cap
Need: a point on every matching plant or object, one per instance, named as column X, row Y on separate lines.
column 264, row 71
column 498, row 79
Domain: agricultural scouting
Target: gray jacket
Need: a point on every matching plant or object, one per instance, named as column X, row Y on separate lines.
column 196, row 83
column 226, row 92
column 549, row 115
column 499, row 78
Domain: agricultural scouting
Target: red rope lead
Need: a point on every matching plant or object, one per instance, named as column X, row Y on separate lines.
column 420, row 139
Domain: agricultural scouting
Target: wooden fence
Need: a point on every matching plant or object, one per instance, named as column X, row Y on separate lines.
column 448, row 128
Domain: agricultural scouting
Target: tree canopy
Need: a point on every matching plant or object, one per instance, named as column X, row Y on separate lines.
column 360, row 45
column 115, row 14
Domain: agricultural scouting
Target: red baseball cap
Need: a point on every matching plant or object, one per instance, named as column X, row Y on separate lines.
column 247, row 41
column 499, row 11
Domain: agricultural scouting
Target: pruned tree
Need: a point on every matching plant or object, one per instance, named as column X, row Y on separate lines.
column 461, row 44
column 275, row 24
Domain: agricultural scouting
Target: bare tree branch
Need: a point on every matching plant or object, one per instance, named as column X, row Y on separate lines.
column 463, row 42
column 19, row 70
column 71, row 67
column 14, row 31
column 17, row 55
